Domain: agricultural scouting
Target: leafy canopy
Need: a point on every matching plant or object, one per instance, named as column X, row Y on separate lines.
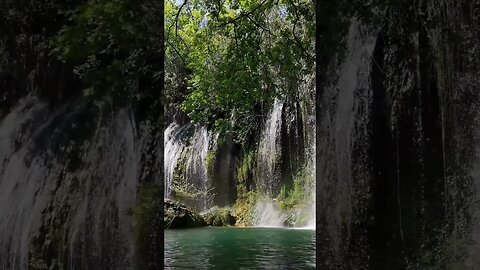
column 113, row 44
column 240, row 56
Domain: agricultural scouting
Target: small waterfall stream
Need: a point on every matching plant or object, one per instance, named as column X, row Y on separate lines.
column 269, row 150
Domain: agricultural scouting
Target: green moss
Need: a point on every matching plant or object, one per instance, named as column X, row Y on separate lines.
column 294, row 199
column 243, row 208
column 244, row 171
column 178, row 215
column 290, row 198
column 183, row 191
column 220, row 217
column 210, row 161
column 246, row 198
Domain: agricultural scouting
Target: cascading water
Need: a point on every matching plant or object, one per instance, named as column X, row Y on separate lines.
column 266, row 212
column 67, row 181
column 306, row 216
column 197, row 163
column 173, row 149
column 186, row 150
column 268, row 151
column 342, row 131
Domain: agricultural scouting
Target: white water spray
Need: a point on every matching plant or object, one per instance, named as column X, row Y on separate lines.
column 267, row 214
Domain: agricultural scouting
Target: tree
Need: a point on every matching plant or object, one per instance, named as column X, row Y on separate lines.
column 115, row 45
column 240, row 55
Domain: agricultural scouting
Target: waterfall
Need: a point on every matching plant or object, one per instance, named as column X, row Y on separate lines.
column 173, row 146
column 67, row 181
column 197, row 162
column 343, row 129
column 185, row 163
column 306, row 216
column 267, row 214
column 268, row 151
column 16, row 218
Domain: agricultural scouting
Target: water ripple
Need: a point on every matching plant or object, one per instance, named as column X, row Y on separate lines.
column 238, row 248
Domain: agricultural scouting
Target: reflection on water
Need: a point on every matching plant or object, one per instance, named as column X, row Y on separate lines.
column 239, row 248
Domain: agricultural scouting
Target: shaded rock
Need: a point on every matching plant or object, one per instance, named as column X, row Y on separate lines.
column 219, row 217
column 178, row 215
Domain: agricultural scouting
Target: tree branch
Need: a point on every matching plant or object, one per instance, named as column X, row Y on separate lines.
column 176, row 51
column 245, row 14
column 260, row 26
column 297, row 40
column 178, row 15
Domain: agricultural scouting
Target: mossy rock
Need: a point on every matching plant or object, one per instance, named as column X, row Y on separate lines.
column 177, row 215
column 220, row 217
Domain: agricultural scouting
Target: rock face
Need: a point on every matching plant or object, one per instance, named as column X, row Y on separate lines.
column 397, row 120
column 78, row 167
column 177, row 216
column 220, row 217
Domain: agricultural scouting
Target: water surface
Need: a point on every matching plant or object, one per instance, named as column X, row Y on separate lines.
column 240, row 248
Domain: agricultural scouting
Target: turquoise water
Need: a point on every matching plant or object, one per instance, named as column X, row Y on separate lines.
column 240, row 248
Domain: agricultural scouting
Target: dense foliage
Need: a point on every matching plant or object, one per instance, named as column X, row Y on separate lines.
column 115, row 45
column 228, row 60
